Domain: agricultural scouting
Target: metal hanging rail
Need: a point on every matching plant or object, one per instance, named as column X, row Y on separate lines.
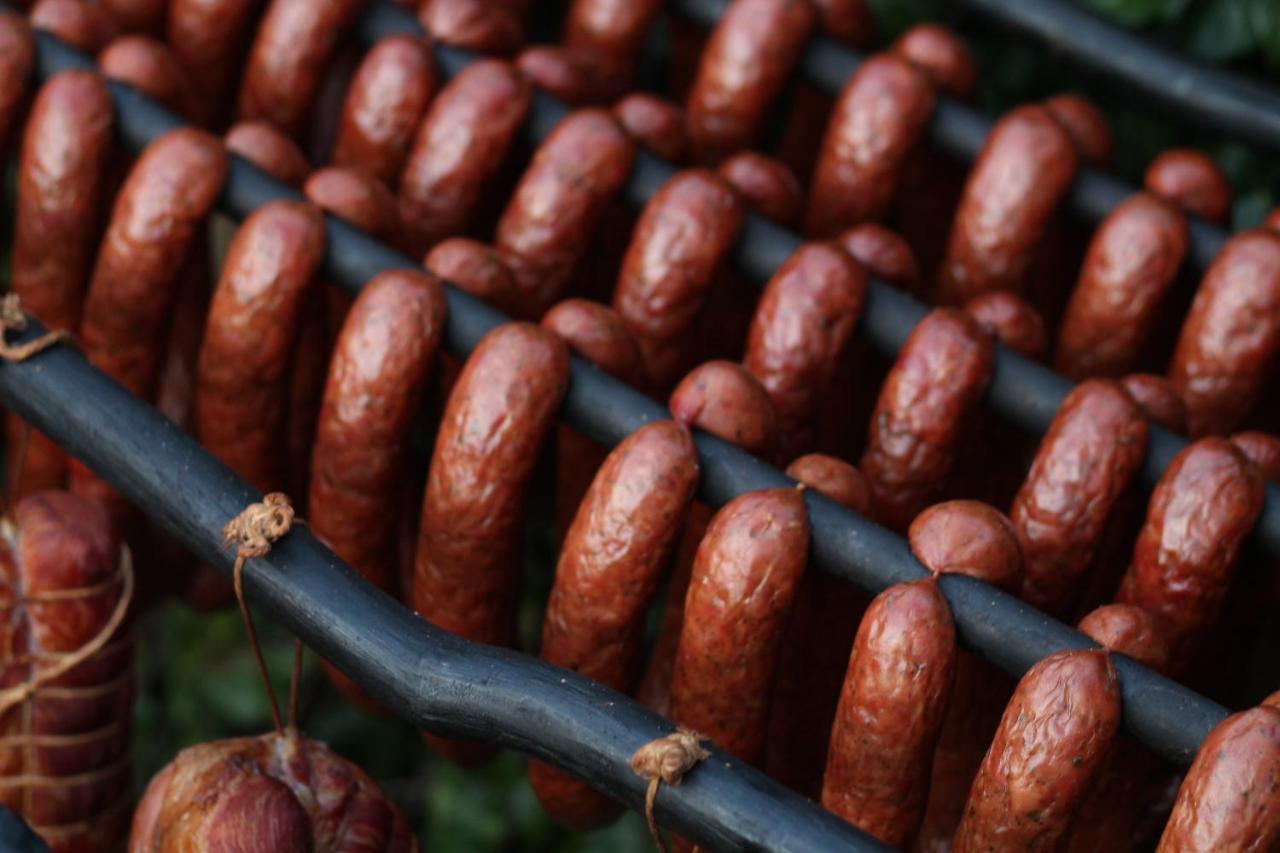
column 959, row 131
column 1211, row 99
column 1024, row 392
column 460, row 688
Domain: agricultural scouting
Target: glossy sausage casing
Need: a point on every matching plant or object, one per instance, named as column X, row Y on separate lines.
column 1192, row 181
column 210, row 39
column 722, row 398
column 607, row 36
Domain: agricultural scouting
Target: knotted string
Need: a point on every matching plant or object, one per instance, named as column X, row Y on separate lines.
column 13, row 319
column 666, row 759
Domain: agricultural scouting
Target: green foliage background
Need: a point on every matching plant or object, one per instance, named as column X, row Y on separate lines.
column 197, row 681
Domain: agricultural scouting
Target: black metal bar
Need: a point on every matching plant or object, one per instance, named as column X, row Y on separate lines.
column 16, row 836
column 135, row 449
column 959, row 131
column 1214, row 100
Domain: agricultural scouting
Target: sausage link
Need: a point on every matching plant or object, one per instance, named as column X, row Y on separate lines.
column 384, row 104
column 556, row 70
column 722, row 398
column 1202, row 509
column 466, row 567
column 149, row 66
column 270, row 150
column 609, row 569
column 1228, row 344
column 656, row 124
column 17, row 59
column 1087, row 126
column 1156, row 397
column 876, row 122
column 294, row 43
column 1192, row 181
column 480, row 25
column 547, row 225
column 744, row 65
column 1020, row 175
column 851, row 21
column 884, row 253
column 458, row 148
column 243, row 375
column 1130, row 265
column 801, row 328
column 1228, row 799
column 768, row 186
column 1129, row 630
column 942, row 55
column 1272, row 222
column 156, row 221
column 381, row 363
column 137, row 16
column 355, row 197
column 1085, row 463
column 968, row 538
column 744, row 579
column 62, row 176
column 608, row 36
column 1010, row 320
column 1053, row 738
column 176, row 385
column 211, row 38
column 1263, row 450
column 682, row 237
column 940, row 374
column 84, row 26
column 890, row 713
column 476, row 268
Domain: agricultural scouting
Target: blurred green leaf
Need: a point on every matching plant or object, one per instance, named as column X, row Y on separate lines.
column 1264, row 23
column 1219, row 31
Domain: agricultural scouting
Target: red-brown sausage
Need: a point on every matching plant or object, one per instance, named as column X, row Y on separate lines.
column 1053, row 738
column 383, row 106
column 768, row 186
column 355, row 197
column 1200, row 513
column 1132, row 260
column 1023, row 170
column 1156, row 397
column 1230, row 338
column 607, row 36
column 293, row 45
column 548, row 223
column 157, row 219
column 137, row 16
column 381, row 363
column 610, row 567
column 555, row 70
column 1228, row 799
column 876, row 122
column 1192, row 181
column 480, row 25
column 243, row 376
column 1010, row 320
column 968, row 538
column 1085, row 463
column 62, row 175
column 725, row 400
column 1272, row 222
column 84, row 26
column 1086, row 124
column 149, row 66
column 17, row 58
column 211, row 39
column 656, row 124
column 942, row 55
column 890, row 713
column 270, row 150
column 884, row 253
column 466, row 568
column 801, row 328
column 941, row 372
column 1263, row 450
column 744, row 579
column 458, row 148
column 475, row 267
column 747, row 60
column 850, row 21
column 682, row 237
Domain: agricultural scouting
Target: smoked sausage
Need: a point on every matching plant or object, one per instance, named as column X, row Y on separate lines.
column 1192, row 181
column 476, row 268
column 1156, row 397
column 84, row 26
column 656, row 124
column 149, row 66
column 1010, row 320
column 1229, row 340
column 885, row 254
column 942, row 55
column 211, row 39
column 941, row 372
column 264, row 146
column 555, row 70
column 876, row 122
column 1086, row 124
column 1263, row 450
column 484, row 26
column 607, row 37
column 384, row 104
column 1053, row 738
column 1084, row 465
column 850, row 21
column 890, row 713
column 768, row 186
column 609, row 569
column 137, row 16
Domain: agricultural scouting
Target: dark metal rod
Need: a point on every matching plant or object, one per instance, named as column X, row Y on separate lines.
column 1187, row 92
column 1024, row 392
column 959, row 131
column 1168, row 717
